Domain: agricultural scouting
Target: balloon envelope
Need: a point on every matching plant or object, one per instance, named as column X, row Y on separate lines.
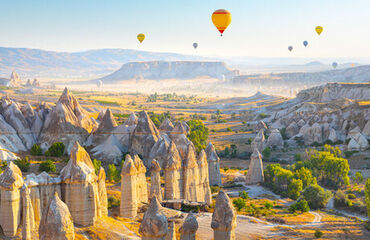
column 99, row 83
column 319, row 29
column 335, row 65
column 141, row 37
column 290, row 48
column 221, row 18
column 195, row 45
column 305, row 43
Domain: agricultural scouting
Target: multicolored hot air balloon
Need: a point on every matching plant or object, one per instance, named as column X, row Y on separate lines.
column 334, row 64
column 195, row 45
column 221, row 18
column 305, row 43
column 319, row 29
column 141, row 37
column 290, row 48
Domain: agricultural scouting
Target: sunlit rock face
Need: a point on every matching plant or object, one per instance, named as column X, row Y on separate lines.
column 189, row 228
column 255, row 170
column 213, row 166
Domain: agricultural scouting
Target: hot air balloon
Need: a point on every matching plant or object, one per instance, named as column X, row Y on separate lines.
column 335, row 65
column 195, row 45
column 221, row 18
column 290, row 48
column 305, row 43
column 353, row 65
column 319, row 29
column 99, row 83
column 141, row 37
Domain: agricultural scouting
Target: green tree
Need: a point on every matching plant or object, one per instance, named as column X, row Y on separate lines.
column 305, row 175
column 36, row 150
column 295, row 188
column 318, row 234
column 56, row 150
column 266, row 153
column 234, row 150
column 316, row 196
column 239, row 204
column 23, row 164
column 113, row 174
column 358, row 178
column 198, row 134
column 243, row 194
column 301, row 205
column 367, row 196
column 47, row 166
column 97, row 165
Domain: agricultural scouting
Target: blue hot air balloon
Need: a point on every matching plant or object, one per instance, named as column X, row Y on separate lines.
column 335, row 65
column 305, row 43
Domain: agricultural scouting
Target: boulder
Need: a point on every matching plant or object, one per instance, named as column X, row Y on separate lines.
column 56, row 222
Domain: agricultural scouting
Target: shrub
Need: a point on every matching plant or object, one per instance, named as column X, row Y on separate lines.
column 316, row 196
column 113, row 174
column 301, row 205
column 358, row 178
column 295, row 188
column 340, row 199
column 97, row 165
column 268, row 205
column 266, row 153
column 36, row 150
column 367, row 195
column 297, row 157
column 198, row 134
column 113, row 202
column 351, row 196
column 228, row 129
column 215, row 189
column 23, row 164
column 47, row 166
column 243, row 194
column 318, row 234
column 56, row 150
column 226, row 169
column 239, row 203
column 190, row 208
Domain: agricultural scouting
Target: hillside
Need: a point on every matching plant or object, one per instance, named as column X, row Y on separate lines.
column 169, row 70
column 40, row 63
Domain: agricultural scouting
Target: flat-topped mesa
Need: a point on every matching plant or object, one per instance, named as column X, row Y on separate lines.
column 213, row 166
column 191, row 176
column 67, row 122
column 166, row 126
column 56, row 222
column 189, row 228
column 11, row 181
column 80, row 188
column 154, row 225
column 205, row 194
column 255, row 171
column 173, row 174
column 144, row 136
column 155, row 180
column 259, row 141
column 223, row 218
column 129, row 204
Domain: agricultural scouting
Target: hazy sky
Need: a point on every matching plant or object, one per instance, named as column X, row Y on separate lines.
column 262, row 28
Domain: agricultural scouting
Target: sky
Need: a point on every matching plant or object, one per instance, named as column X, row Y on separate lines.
column 260, row 28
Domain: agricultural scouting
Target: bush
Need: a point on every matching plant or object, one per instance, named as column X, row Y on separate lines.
column 301, row 205
column 23, row 164
column 113, row 173
column 318, row 234
column 266, row 153
column 268, row 205
column 228, row 129
column 297, row 157
column 340, row 199
column 239, row 204
column 113, row 202
column 36, row 150
column 198, row 134
column 97, row 165
column 351, row 196
column 56, row 150
column 215, row 189
column 243, row 194
column 190, row 208
column 47, row 166
column 316, row 196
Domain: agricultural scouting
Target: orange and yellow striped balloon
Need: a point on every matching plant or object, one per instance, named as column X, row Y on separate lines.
column 141, row 37
column 221, row 18
column 319, row 29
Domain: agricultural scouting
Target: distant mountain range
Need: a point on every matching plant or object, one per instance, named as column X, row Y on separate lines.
column 92, row 63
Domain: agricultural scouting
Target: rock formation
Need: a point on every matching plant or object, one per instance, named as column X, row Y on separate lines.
column 178, row 136
column 67, row 122
column 142, row 186
column 103, row 200
column 56, row 222
column 144, row 136
column 205, row 194
column 259, row 141
column 128, row 207
column 261, row 125
column 172, row 174
column 80, row 188
column 166, row 126
column 28, row 219
column 131, row 120
column 213, row 166
column 223, row 218
column 154, row 225
column 191, row 177
column 189, row 228
column 255, row 171
column 15, row 80
column 358, row 142
column 11, row 181
column 171, row 235
column 106, row 126
column 155, row 181
column 275, row 139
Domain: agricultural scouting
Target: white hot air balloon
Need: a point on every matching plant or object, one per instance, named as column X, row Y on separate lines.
column 99, row 83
